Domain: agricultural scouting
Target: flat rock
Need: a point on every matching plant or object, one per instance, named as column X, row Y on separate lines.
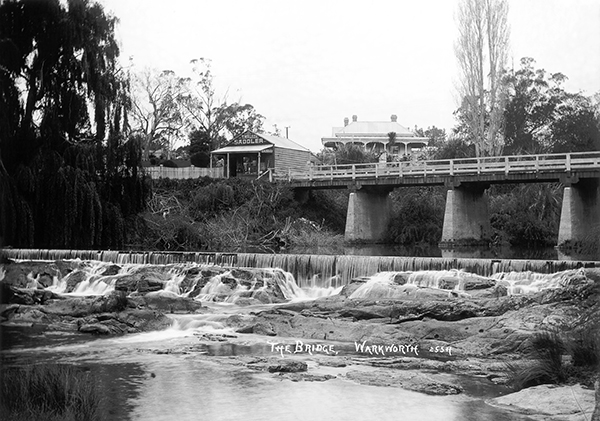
column 287, row 366
column 417, row 381
column 550, row 402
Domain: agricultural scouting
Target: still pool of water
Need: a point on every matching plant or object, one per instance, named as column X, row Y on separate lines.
column 173, row 375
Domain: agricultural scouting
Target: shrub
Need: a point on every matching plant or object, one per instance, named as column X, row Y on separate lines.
column 526, row 215
column 49, row 392
column 546, row 349
column 417, row 216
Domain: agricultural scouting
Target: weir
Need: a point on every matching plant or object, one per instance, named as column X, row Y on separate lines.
column 307, row 268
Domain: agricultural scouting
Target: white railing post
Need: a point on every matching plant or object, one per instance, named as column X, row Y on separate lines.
column 376, row 170
column 568, row 162
column 353, row 171
column 289, row 174
column 506, row 165
column 310, row 172
column 537, row 163
column 452, row 167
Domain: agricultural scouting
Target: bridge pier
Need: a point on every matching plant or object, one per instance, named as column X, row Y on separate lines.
column 466, row 218
column 369, row 214
column 580, row 214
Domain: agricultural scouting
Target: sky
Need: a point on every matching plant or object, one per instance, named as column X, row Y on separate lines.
column 308, row 64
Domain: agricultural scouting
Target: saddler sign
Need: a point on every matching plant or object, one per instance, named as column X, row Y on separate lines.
column 248, row 138
column 251, row 154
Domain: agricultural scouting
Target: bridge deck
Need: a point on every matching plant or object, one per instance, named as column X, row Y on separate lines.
column 492, row 170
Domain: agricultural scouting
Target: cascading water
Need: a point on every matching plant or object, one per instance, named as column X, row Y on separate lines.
column 254, row 282
column 304, row 267
column 296, row 277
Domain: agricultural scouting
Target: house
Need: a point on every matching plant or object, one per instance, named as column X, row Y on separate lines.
column 252, row 154
column 377, row 136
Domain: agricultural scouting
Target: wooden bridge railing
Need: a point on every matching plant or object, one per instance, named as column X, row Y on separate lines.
column 446, row 167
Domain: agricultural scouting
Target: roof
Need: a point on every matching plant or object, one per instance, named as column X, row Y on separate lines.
column 373, row 127
column 269, row 141
column 282, row 142
column 244, row 148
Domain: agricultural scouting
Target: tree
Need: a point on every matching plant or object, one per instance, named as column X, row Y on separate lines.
column 541, row 117
column 199, row 148
column 213, row 115
column 454, row 148
column 156, row 109
column 436, row 136
column 481, row 51
column 66, row 179
column 351, row 153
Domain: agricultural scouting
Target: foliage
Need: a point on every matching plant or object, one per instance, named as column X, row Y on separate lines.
column 547, row 349
column 328, row 208
column 454, row 148
column 303, row 233
column 199, row 148
column 49, row 392
column 481, row 51
column 418, row 216
column 156, row 112
column 541, row 117
column 351, row 153
column 526, row 214
column 227, row 215
column 69, row 178
column 437, row 137
column 215, row 117
column 585, row 345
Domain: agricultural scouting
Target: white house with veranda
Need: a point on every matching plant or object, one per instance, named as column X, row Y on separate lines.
column 376, row 136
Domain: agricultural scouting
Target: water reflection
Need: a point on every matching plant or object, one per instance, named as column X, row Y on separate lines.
column 499, row 252
column 166, row 378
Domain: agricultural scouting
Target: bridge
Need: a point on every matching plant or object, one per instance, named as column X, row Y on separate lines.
column 466, row 218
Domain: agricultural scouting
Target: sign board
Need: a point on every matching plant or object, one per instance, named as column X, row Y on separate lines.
column 248, row 138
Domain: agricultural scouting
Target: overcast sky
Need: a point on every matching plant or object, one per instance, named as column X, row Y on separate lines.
column 308, row 64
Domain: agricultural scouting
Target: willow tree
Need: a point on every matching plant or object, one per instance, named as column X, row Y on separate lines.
column 481, row 50
column 68, row 177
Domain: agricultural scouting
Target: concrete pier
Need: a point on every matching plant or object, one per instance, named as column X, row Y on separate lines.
column 466, row 218
column 580, row 214
column 368, row 217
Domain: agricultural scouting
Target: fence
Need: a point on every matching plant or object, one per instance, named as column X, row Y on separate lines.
column 447, row 167
column 185, row 172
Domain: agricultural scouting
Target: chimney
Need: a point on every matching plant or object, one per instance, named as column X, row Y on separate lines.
column 394, row 118
column 354, row 117
column 345, row 121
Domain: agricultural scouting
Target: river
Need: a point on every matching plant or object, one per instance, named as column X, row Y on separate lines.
column 187, row 373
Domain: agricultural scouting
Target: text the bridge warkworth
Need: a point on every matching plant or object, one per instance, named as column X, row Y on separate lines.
column 466, row 218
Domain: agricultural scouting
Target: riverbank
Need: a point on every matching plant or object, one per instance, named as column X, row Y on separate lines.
column 450, row 336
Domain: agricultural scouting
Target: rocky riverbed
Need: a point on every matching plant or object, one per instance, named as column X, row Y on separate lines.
column 436, row 338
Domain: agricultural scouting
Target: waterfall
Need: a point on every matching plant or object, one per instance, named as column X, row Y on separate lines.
column 298, row 276
column 338, row 269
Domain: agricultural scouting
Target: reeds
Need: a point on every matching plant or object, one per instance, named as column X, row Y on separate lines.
column 52, row 392
column 549, row 365
column 546, row 349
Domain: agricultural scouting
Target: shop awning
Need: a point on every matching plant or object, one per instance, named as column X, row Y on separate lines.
column 243, row 149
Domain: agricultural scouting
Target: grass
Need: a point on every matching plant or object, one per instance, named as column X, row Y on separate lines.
column 52, row 392
column 546, row 349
